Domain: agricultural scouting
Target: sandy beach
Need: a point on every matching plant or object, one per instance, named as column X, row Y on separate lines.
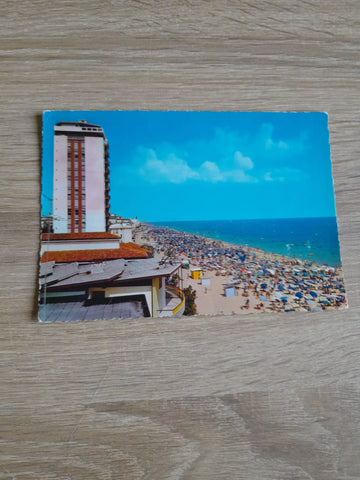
column 259, row 281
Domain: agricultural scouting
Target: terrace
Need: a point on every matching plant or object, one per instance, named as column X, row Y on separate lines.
column 175, row 303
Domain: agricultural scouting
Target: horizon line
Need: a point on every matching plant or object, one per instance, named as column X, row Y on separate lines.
column 236, row 219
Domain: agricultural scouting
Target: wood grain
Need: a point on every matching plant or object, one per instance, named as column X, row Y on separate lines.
column 263, row 397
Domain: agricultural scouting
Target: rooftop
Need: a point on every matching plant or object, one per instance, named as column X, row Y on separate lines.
column 77, row 236
column 115, row 271
column 120, row 225
column 78, row 311
column 126, row 250
column 79, row 123
column 71, row 274
column 81, row 127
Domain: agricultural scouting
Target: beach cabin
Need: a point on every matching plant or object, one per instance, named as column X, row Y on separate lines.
column 196, row 273
column 205, row 281
column 230, row 291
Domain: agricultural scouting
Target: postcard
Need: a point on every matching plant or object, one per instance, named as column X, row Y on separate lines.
column 166, row 214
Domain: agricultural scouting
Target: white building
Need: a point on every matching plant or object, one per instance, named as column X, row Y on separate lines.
column 81, row 178
column 123, row 230
column 59, row 242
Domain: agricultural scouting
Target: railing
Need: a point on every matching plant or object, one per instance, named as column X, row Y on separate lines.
column 179, row 309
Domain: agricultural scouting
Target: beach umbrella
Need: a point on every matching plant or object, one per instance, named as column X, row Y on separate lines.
column 298, row 295
column 262, row 298
column 281, row 288
column 325, row 302
column 263, row 285
column 316, row 309
column 313, row 294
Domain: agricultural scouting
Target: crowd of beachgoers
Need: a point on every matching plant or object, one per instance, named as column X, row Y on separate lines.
column 264, row 281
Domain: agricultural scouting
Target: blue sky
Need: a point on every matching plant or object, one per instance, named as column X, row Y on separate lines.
column 209, row 165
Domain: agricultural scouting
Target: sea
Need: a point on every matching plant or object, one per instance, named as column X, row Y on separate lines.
column 305, row 238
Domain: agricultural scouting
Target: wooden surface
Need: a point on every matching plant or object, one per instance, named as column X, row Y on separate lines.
column 261, row 397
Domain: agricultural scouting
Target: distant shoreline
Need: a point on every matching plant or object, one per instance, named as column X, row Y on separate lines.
column 223, row 243
column 257, row 249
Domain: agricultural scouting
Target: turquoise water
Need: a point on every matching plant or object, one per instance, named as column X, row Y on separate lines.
column 305, row 238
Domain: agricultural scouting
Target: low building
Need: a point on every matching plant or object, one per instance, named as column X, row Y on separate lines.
column 125, row 250
column 118, row 288
column 78, row 241
column 123, row 230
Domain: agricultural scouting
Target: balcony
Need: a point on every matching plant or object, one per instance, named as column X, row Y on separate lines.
column 175, row 303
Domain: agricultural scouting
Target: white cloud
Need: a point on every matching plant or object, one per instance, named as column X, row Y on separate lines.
column 243, row 162
column 210, row 172
column 169, row 167
column 239, row 176
column 229, row 158
column 172, row 169
column 284, row 175
column 280, row 147
column 268, row 177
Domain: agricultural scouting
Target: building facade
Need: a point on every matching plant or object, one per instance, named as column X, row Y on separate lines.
column 81, row 178
column 123, row 230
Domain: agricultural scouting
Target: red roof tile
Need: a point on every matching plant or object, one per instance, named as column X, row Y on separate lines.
column 126, row 250
column 78, row 236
